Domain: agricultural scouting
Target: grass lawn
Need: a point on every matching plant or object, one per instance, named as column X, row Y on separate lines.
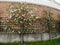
column 52, row 42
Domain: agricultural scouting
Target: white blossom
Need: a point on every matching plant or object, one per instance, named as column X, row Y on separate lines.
column 19, row 32
column 11, row 10
column 15, row 10
column 29, row 23
column 19, row 10
column 19, row 17
column 30, row 12
column 32, row 15
column 5, row 27
column 10, row 16
column 25, row 26
column 37, row 17
column 24, row 19
column 16, row 15
column 21, row 22
column 2, row 21
column 23, row 14
column 13, row 31
column 29, row 19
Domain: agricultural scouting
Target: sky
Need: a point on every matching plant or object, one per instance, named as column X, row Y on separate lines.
column 49, row 3
column 58, row 1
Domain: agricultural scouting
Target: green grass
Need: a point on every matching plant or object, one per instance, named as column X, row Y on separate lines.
column 52, row 42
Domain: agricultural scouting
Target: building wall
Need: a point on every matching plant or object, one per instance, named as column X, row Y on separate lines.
column 37, row 10
column 11, row 37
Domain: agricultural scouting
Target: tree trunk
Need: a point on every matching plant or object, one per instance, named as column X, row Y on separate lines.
column 49, row 35
column 22, row 39
column 42, row 36
column 56, row 34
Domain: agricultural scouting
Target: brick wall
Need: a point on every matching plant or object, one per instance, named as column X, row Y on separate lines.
column 37, row 10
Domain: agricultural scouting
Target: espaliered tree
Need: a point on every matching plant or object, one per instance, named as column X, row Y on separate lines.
column 50, row 23
column 1, row 28
column 21, row 17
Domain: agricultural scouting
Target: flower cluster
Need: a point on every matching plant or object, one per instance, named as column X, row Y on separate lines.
column 22, row 16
